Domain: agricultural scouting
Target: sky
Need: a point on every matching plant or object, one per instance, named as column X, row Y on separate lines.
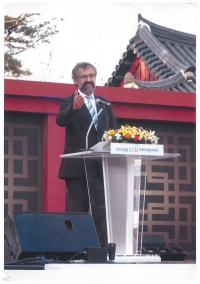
column 97, row 32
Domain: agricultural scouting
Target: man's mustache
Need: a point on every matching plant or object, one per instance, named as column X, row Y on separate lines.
column 85, row 83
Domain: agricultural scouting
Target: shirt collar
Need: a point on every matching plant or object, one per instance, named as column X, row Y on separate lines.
column 84, row 95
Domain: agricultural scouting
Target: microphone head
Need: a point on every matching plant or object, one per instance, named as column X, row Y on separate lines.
column 104, row 103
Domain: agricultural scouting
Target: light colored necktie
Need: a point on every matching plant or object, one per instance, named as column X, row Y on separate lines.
column 92, row 111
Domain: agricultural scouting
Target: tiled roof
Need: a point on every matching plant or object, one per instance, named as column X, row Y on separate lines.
column 168, row 54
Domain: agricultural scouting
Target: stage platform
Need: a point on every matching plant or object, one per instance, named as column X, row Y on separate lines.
column 162, row 272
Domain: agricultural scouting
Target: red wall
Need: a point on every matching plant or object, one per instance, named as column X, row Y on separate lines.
column 140, row 72
column 43, row 97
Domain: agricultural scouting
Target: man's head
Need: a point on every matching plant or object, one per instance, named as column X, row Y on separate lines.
column 84, row 77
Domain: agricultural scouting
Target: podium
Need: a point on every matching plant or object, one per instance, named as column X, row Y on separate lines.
column 122, row 185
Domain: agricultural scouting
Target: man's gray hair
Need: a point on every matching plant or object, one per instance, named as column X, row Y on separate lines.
column 83, row 65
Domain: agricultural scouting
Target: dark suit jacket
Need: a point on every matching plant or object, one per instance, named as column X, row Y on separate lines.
column 77, row 124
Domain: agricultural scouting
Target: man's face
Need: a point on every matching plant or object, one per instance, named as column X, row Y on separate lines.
column 86, row 80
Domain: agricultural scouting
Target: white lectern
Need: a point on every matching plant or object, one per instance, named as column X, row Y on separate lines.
column 122, row 178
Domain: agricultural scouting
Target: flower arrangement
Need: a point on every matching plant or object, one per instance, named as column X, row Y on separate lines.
column 128, row 134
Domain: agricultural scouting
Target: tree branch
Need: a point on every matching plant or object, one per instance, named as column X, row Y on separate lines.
column 12, row 28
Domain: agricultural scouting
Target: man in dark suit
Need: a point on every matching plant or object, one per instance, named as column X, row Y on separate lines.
column 80, row 175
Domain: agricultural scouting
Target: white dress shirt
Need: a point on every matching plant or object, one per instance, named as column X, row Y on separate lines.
column 92, row 99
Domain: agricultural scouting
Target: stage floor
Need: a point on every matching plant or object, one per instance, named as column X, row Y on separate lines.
column 172, row 272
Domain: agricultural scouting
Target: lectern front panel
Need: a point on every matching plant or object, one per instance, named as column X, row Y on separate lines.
column 122, row 192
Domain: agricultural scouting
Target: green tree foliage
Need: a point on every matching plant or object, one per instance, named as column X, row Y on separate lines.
column 21, row 34
column 14, row 66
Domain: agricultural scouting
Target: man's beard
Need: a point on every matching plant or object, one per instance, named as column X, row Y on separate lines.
column 87, row 88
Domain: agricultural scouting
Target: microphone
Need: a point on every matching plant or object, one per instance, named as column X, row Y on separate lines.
column 107, row 104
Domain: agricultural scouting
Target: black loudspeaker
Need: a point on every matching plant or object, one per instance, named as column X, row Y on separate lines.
column 96, row 255
column 51, row 235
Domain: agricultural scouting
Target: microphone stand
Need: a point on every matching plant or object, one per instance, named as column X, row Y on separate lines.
column 86, row 143
column 88, row 132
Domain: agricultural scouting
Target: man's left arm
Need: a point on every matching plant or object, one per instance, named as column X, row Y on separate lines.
column 113, row 121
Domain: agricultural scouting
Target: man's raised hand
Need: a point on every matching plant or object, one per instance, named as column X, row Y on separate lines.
column 78, row 101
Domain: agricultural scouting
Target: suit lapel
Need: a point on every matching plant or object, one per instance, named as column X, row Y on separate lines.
column 85, row 112
column 97, row 105
column 100, row 117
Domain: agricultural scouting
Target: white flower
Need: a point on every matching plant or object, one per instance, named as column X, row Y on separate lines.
column 105, row 136
column 109, row 138
column 118, row 136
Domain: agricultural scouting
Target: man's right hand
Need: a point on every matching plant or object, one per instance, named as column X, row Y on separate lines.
column 78, row 101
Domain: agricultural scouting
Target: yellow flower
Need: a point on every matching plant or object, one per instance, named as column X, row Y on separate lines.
column 123, row 130
column 111, row 132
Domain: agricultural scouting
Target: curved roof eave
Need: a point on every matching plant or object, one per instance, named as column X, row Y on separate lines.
column 164, row 56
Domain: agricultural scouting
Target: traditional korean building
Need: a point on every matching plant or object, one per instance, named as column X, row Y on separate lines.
column 152, row 86
column 158, row 59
